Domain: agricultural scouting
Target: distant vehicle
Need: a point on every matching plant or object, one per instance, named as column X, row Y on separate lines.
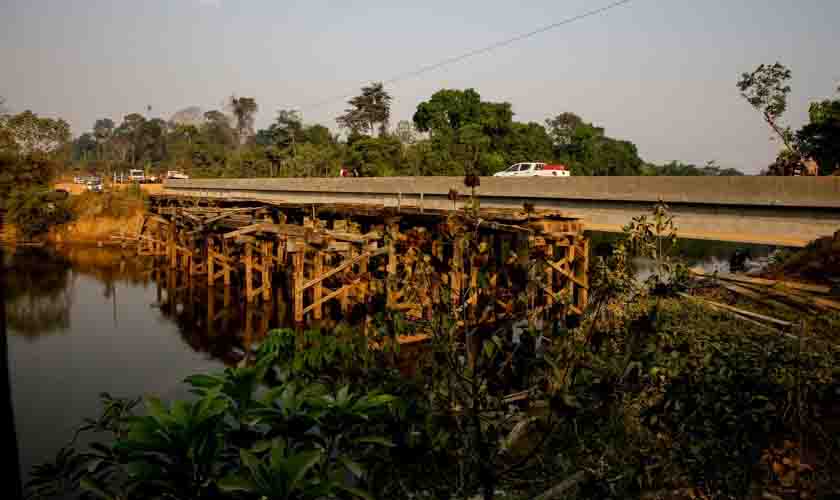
column 175, row 174
column 94, row 186
column 84, row 179
column 136, row 175
column 534, row 169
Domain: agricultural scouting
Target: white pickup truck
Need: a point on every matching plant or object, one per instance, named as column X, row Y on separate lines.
column 137, row 175
column 534, row 169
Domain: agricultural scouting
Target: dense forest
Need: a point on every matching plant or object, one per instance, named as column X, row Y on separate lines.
column 451, row 133
column 454, row 132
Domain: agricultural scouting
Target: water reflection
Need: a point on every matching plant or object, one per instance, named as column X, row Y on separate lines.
column 37, row 294
column 87, row 320
column 711, row 256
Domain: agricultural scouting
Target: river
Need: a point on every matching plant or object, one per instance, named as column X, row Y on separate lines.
column 87, row 320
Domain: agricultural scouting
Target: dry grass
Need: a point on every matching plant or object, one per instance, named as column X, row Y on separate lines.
column 98, row 216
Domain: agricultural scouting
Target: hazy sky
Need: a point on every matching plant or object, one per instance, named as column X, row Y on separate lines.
column 660, row 73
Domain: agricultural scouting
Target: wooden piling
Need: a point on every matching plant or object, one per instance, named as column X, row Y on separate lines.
column 318, row 288
column 249, row 281
column 297, row 283
column 266, row 260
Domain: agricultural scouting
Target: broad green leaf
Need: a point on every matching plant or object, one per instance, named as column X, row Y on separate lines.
column 181, row 410
column 343, row 393
column 278, row 456
column 298, row 465
column 356, row 492
column 236, row 482
column 380, row 440
column 204, row 381
column 157, row 410
column 354, row 467
column 91, row 485
column 251, row 462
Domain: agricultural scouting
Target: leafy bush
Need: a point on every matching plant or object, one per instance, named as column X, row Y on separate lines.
column 728, row 393
column 33, row 212
column 243, row 437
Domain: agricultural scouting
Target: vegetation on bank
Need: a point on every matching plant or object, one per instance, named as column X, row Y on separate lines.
column 454, row 132
column 646, row 395
column 818, row 262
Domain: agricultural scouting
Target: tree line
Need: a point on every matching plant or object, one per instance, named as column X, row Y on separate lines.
column 453, row 132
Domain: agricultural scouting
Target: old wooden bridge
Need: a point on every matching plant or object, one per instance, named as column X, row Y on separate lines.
column 478, row 266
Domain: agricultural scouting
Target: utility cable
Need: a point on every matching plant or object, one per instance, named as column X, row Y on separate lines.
column 482, row 50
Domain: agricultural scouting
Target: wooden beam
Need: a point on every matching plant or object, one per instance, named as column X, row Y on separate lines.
column 265, row 262
column 298, row 261
column 249, row 284
column 330, row 296
column 253, row 228
column 228, row 213
column 317, row 289
column 344, row 265
column 583, row 293
column 211, row 260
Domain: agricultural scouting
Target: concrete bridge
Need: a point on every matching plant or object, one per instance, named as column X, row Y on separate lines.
column 788, row 211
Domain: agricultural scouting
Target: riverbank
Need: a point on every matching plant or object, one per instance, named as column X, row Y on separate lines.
column 98, row 216
column 652, row 396
column 86, row 218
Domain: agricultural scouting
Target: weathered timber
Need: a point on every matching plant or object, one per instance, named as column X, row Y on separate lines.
column 422, row 262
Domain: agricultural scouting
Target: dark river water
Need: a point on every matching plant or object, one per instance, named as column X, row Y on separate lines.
column 85, row 321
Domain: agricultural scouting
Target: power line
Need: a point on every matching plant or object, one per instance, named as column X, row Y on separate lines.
column 482, row 50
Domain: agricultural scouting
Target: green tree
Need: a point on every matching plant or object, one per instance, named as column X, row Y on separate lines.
column 820, row 138
column 367, row 110
column 766, row 89
column 526, row 142
column 84, row 147
column 448, row 110
column 217, row 130
column 243, row 109
column 588, row 150
column 7, row 142
column 152, row 140
column 36, row 135
column 103, row 129
column 130, row 133
column 318, row 135
column 374, row 156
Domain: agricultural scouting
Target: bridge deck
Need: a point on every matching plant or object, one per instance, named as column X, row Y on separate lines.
column 789, row 211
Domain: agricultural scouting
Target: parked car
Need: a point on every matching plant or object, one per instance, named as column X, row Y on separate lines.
column 175, row 174
column 84, row 179
column 94, row 186
column 136, row 175
column 534, row 169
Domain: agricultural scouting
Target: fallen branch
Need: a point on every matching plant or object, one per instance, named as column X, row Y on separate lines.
column 756, row 296
column 737, row 278
column 563, row 487
column 742, row 314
